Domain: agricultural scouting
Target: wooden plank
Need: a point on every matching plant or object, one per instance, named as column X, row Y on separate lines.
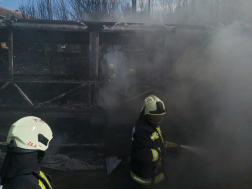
column 93, row 55
column 94, row 50
column 10, row 44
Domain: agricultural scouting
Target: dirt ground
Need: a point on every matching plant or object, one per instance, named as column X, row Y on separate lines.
column 120, row 179
column 187, row 172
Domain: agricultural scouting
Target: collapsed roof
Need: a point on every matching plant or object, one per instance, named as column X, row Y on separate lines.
column 77, row 32
column 89, row 25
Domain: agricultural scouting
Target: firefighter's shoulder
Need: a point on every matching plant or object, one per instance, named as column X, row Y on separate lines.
column 142, row 127
column 23, row 182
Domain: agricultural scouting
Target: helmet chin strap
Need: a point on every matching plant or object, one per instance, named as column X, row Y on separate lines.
column 152, row 122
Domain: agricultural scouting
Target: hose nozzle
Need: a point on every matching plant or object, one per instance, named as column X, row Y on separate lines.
column 171, row 145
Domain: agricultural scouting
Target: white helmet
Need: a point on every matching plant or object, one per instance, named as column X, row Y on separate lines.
column 153, row 106
column 30, row 133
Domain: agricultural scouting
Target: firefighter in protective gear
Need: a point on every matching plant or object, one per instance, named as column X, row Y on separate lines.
column 118, row 75
column 132, row 71
column 148, row 151
column 28, row 140
column 112, row 69
column 130, row 81
column 112, row 66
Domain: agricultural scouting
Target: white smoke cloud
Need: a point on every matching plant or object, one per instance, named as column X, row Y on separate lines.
column 211, row 99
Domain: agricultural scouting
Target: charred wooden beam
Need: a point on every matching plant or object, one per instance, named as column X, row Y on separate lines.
column 132, row 98
column 63, row 94
column 10, row 45
column 89, row 94
column 141, row 94
column 5, row 85
column 52, row 57
column 94, row 50
column 93, row 55
column 23, row 94
column 56, row 81
column 39, row 36
column 83, row 111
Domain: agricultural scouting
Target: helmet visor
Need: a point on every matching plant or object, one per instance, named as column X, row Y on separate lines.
column 42, row 139
column 160, row 109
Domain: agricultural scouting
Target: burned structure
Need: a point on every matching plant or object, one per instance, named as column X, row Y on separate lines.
column 60, row 71
column 59, row 66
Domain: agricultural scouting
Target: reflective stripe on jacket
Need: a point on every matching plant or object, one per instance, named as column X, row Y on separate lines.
column 33, row 181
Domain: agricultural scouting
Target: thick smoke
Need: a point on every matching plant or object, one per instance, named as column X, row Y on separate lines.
column 130, row 66
column 196, row 12
column 208, row 95
column 117, row 74
column 206, row 88
column 212, row 101
column 207, row 12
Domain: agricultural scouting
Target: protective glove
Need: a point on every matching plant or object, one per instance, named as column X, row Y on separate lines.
column 162, row 151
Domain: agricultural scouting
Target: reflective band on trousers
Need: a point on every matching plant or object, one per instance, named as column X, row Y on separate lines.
column 44, row 177
column 155, row 155
column 41, row 185
column 140, row 180
column 133, row 132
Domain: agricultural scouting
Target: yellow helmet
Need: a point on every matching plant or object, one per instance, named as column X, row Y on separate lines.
column 153, row 106
column 113, row 76
column 112, row 66
column 132, row 71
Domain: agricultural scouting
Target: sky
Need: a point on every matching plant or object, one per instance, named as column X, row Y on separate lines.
column 11, row 4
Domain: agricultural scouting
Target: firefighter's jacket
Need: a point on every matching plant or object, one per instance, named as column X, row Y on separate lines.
column 31, row 181
column 22, row 171
column 146, row 142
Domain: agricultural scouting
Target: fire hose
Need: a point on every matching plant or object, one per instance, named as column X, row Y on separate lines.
column 166, row 145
